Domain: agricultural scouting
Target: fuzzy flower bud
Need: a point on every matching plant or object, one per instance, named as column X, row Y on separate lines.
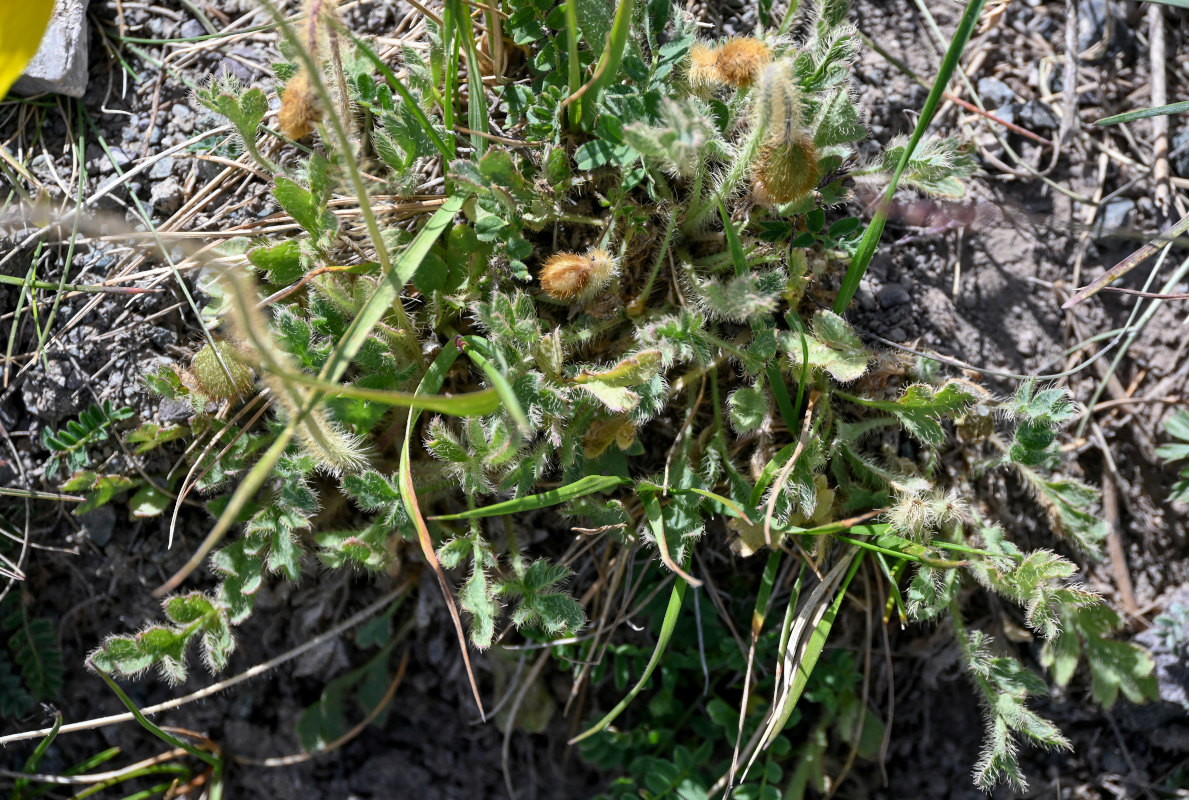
column 299, row 108
column 786, row 166
column 703, row 66
column 571, row 277
column 741, row 60
column 208, row 376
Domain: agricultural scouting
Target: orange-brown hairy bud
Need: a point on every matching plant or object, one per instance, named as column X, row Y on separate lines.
column 785, row 171
column 740, row 61
column 569, row 276
column 703, row 66
column 299, row 108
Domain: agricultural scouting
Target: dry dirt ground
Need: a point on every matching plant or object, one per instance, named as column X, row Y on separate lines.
column 981, row 282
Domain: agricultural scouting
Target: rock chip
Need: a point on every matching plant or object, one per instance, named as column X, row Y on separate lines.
column 60, row 65
column 1114, row 216
column 99, row 525
column 893, row 294
column 994, row 92
column 166, row 196
column 1038, row 116
column 1179, row 147
column 162, row 169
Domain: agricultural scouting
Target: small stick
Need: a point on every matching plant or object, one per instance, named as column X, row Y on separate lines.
column 1160, row 170
column 1114, row 542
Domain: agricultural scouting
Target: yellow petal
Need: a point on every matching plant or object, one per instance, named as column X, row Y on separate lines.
column 22, row 24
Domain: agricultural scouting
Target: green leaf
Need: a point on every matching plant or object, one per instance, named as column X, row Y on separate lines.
column 282, row 262
column 150, row 435
column 921, row 408
column 304, row 207
column 33, row 644
column 630, row 371
column 834, row 347
column 1070, row 503
column 187, row 608
column 1114, row 666
column 616, row 398
column 149, row 501
column 98, row 489
column 599, row 152
column 747, row 408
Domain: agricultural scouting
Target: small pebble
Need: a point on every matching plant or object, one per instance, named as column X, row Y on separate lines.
column 166, row 196
column 1114, row 216
column 192, row 28
column 99, row 525
column 1037, row 116
column 162, row 169
column 1180, row 160
column 994, row 93
column 893, row 294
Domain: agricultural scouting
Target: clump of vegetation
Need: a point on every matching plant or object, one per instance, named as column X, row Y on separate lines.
column 621, row 308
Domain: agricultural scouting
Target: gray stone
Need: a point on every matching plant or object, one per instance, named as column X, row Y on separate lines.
column 865, row 298
column 192, row 28
column 893, row 294
column 1168, row 642
column 174, row 410
column 1114, row 216
column 1093, row 19
column 1179, row 147
column 99, row 525
column 60, row 65
column 1037, row 116
column 166, row 196
column 994, row 93
column 162, row 169
column 50, row 393
column 123, row 160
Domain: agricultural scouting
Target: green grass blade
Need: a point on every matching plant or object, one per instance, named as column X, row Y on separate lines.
column 470, row 404
column 738, row 257
column 573, row 64
column 726, row 502
column 1144, row 113
column 609, row 63
column 34, row 760
column 817, row 643
column 173, row 741
column 477, row 97
column 388, row 292
column 564, row 494
column 475, row 350
column 895, row 596
column 672, row 612
column 435, row 376
column 866, row 250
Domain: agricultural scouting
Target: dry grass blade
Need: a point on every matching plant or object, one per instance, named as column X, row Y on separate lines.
column 432, row 382
column 1170, row 234
column 794, row 660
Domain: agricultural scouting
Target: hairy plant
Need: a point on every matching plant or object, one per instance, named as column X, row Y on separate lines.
column 625, row 318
